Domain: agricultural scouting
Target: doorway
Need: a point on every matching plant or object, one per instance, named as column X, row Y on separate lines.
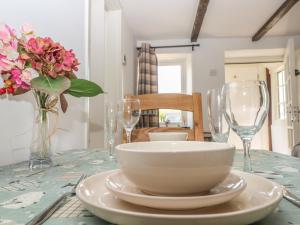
column 257, row 71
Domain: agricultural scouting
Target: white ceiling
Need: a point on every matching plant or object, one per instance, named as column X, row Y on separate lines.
column 173, row 19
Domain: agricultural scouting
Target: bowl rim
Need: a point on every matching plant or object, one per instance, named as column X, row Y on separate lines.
column 124, row 147
column 168, row 133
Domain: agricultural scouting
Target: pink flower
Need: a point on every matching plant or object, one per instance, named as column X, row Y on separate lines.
column 50, row 58
column 34, row 45
column 11, row 31
column 27, row 28
column 27, row 75
column 22, row 78
column 16, row 76
column 4, row 36
column 10, row 52
column 26, row 57
column 27, row 32
column 16, row 72
column 8, row 48
column 6, row 33
column 5, row 64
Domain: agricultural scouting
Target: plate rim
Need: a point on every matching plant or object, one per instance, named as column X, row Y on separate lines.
column 178, row 198
column 172, row 216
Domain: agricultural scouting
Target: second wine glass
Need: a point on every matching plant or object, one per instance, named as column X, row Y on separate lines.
column 129, row 112
column 246, row 105
column 111, row 127
column 218, row 125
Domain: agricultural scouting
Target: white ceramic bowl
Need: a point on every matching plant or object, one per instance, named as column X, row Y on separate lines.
column 175, row 168
column 168, row 136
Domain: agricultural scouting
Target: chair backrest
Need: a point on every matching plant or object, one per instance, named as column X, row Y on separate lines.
column 184, row 102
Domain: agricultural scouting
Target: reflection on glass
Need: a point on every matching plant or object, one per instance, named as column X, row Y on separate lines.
column 218, row 125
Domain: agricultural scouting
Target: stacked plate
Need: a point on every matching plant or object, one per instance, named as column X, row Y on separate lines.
column 120, row 196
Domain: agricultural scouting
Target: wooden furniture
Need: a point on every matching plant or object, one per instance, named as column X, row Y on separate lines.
column 184, row 102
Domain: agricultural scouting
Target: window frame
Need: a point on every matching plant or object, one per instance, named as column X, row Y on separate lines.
column 281, row 87
column 182, row 64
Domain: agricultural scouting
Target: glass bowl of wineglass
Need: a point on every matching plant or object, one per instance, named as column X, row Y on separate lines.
column 129, row 112
column 246, row 106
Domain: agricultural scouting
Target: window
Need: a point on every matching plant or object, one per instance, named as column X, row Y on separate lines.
column 281, row 95
column 169, row 81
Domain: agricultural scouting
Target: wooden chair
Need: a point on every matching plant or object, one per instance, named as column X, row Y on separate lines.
column 184, row 102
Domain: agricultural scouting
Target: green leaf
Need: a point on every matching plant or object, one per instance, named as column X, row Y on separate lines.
column 84, row 88
column 51, row 86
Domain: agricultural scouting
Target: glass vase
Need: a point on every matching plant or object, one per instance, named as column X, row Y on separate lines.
column 40, row 148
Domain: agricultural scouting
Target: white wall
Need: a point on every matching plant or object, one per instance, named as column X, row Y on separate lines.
column 119, row 77
column 209, row 57
column 67, row 25
column 97, row 64
column 129, row 50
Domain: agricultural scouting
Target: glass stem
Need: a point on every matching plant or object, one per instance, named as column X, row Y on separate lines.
column 128, row 135
column 111, row 149
column 247, row 159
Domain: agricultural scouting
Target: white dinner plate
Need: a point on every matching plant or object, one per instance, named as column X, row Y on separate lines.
column 118, row 184
column 259, row 199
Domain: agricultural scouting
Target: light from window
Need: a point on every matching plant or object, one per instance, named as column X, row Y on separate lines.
column 169, row 81
column 281, row 95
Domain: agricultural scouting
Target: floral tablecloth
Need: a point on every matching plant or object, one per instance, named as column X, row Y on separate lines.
column 24, row 193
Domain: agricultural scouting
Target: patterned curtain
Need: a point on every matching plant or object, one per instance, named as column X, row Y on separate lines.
column 148, row 83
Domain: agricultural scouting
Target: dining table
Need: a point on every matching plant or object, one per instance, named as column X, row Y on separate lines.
column 24, row 193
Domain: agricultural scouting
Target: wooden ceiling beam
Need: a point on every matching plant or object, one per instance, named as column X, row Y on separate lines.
column 280, row 12
column 202, row 7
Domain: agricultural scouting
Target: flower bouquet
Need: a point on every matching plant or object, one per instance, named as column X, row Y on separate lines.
column 44, row 67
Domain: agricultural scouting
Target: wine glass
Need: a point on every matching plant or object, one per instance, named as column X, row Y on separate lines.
column 111, row 126
column 129, row 112
column 217, row 123
column 246, row 105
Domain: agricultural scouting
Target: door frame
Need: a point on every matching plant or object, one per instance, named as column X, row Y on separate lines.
column 269, row 87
